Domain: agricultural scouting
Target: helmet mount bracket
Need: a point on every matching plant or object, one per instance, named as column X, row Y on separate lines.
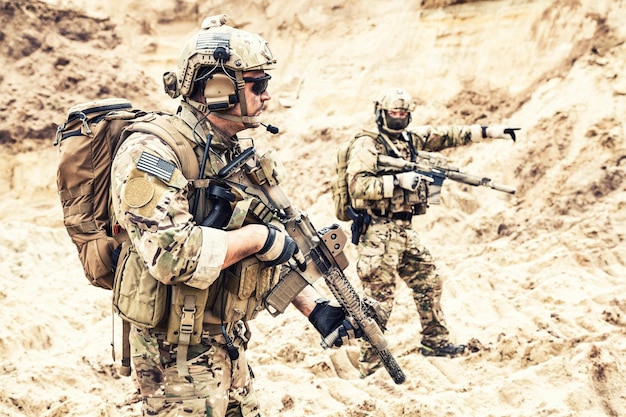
column 221, row 54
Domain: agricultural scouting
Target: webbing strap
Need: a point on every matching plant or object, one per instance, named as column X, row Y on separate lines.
column 260, row 210
column 74, row 209
column 125, row 368
column 186, row 329
column 81, row 190
column 85, row 227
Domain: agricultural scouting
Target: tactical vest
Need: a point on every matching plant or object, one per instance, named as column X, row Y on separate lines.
column 237, row 294
column 183, row 312
column 402, row 201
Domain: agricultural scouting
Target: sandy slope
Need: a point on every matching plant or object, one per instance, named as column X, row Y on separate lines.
column 534, row 282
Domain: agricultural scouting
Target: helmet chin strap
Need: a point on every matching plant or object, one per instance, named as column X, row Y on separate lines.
column 248, row 121
column 201, row 107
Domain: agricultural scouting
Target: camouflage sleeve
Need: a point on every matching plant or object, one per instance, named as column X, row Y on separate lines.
column 436, row 138
column 364, row 183
column 149, row 197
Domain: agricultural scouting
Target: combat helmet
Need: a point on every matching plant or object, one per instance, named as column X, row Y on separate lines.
column 393, row 99
column 215, row 59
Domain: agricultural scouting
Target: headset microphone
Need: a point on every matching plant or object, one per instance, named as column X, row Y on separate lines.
column 272, row 129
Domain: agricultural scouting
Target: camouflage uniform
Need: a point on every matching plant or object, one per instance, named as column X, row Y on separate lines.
column 156, row 214
column 189, row 314
column 220, row 387
column 390, row 247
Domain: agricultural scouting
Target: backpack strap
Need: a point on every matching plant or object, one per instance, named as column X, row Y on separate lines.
column 158, row 125
column 390, row 148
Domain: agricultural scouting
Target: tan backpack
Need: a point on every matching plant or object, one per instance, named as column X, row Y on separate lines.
column 339, row 184
column 87, row 141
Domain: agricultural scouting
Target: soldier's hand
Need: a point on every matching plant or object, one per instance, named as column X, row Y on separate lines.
column 327, row 318
column 279, row 247
column 408, row 180
column 499, row 132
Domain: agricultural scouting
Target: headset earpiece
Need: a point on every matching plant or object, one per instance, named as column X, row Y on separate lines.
column 220, row 93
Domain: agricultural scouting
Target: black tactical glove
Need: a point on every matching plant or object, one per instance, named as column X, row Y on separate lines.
column 499, row 132
column 279, row 247
column 327, row 318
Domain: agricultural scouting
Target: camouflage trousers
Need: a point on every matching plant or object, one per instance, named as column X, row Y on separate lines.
column 218, row 386
column 391, row 249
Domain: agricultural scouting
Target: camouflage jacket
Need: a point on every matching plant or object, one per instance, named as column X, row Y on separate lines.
column 155, row 211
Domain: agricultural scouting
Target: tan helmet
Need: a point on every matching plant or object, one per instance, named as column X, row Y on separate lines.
column 393, row 99
column 219, row 55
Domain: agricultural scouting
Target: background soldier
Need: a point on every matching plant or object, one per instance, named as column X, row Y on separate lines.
column 216, row 274
column 390, row 247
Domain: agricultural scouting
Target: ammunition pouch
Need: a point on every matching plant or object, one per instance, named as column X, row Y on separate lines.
column 186, row 314
column 184, row 326
column 291, row 283
column 239, row 291
column 381, row 205
column 138, row 297
column 418, row 199
column 402, row 201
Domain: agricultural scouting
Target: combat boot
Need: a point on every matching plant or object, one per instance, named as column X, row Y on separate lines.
column 441, row 349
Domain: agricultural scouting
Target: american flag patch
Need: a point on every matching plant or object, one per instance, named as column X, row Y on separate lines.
column 156, row 166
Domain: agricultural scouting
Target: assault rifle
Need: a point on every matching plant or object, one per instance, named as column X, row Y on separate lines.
column 436, row 167
column 323, row 257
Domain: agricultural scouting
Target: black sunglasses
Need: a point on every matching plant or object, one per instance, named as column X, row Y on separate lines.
column 260, row 83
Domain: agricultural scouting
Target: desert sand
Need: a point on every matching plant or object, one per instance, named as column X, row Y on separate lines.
column 534, row 282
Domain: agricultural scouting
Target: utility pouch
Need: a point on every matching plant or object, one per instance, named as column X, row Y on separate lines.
column 240, row 292
column 138, row 297
column 381, row 205
column 186, row 313
column 268, row 170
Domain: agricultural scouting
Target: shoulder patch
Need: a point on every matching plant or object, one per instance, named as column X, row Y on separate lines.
column 156, row 166
column 139, row 192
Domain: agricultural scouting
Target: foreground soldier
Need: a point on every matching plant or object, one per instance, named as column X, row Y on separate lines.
column 390, row 247
column 215, row 273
